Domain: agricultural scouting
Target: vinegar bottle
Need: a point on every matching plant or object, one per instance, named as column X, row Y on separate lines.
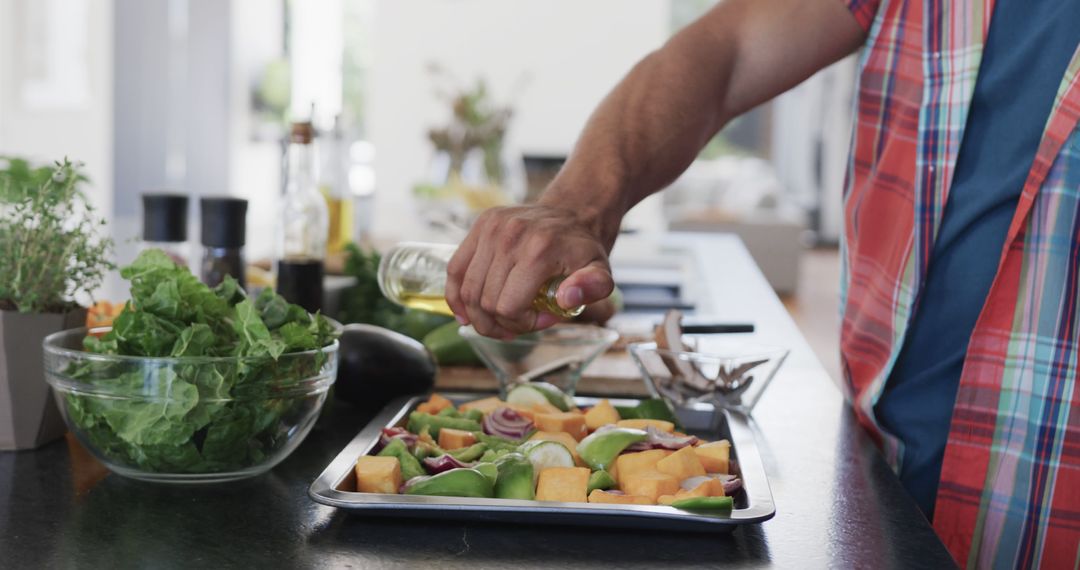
column 414, row 275
column 301, row 246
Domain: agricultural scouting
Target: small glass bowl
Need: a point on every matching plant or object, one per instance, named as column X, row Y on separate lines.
column 556, row 355
column 187, row 419
column 725, row 374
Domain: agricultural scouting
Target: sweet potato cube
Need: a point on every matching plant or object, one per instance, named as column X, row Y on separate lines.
column 629, row 464
column 572, row 423
column 600, row 496
column 661, row 425
column 566, row 484
column 486, row 405
column 450, row 438
column 708, row 488
column 377, row 474
column 563, row 438
column 435, row 404
column 651, row 484
column 715, row 456
column 601, row 414
column 682, row 464
column 546, row 408
column 666, row 500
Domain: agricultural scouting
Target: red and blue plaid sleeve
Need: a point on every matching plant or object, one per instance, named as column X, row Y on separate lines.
column 864, row 11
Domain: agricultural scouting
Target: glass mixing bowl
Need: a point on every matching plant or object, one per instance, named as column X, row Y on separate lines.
column 187, row 419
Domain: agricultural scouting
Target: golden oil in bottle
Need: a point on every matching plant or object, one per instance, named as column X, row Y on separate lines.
column 340, row 216
column 414, row 275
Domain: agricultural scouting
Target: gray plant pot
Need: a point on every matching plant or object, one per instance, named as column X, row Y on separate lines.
column 28, row 415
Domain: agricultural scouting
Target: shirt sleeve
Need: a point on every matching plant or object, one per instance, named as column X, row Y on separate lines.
column 864, row 11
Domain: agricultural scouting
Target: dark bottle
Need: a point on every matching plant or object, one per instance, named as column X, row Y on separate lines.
column 303, row 222
column 224, row 224
column 165, row 225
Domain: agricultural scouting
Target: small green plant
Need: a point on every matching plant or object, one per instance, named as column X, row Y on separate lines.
column 51, row 247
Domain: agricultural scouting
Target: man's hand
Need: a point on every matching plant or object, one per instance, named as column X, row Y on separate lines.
column 510, row 253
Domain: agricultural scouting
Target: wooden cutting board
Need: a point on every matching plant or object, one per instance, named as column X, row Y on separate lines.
column 611, row 374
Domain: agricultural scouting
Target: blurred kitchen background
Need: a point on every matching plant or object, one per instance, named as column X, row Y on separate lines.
column 196, row 97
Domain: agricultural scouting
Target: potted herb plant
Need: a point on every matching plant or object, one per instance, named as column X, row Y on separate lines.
column 51, row 253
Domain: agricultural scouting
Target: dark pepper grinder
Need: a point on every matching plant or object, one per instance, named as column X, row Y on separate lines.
column 223, row 229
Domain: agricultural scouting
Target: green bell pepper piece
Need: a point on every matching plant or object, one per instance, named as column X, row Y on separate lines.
column 420, row 420
column 410, row 465
column 449, row 413
column 600, row 449
column 469, row 454
column 654, row 409
column 515, row 478
column 705, row 504
column 600, row 480
column 488, row 470
column 474, row 415
column 498, row 443
column 454, row 483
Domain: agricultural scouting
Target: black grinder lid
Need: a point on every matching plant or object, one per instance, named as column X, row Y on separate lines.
column 223, row 221
column 165, row 217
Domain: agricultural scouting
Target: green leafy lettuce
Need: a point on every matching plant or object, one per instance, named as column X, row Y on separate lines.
column 198, row 415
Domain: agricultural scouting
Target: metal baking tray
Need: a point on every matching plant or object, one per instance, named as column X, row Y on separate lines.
column 753, row 503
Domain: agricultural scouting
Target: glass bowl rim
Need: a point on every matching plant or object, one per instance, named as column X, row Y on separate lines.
column 606, row 336
column 50, row 346
column 769, row 351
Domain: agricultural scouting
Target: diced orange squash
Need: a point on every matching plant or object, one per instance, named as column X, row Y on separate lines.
column 682, row 464
column 566, row 484
column 486, row 405
column 629, row 464
column 601, row 496
column 378, row 474
column 707, row 488
column 715, row 456
column 455, row 438
column 572, row 423
column 435, row 404
column 545, row 408
column 651, row 484
column 602, row 414
column 661, row 425
column 563, row 438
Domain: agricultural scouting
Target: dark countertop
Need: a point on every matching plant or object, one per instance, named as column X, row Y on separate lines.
column 838, row 504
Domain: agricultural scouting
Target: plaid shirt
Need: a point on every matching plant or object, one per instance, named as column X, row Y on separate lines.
column 1010, row 482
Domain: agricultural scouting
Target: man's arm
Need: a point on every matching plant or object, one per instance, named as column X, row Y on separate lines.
column 642, row 136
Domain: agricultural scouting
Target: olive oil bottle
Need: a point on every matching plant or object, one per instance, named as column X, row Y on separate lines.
column 414, row 275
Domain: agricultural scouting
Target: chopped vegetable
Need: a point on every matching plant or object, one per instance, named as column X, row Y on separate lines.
column 444, row 462
column 545, row 454
column 600, row 449
column 450, row 438
column 452, row 483
column 419, row 420
column 507, row 423
column 601, row 480
column 566, row 484
column 602, row 414
column 516, row 478
column 572, row 423
column 654, row 409
column 471, row 453
column 705, row 504
column 410, row 467
column 378, row 474
column 715, row 456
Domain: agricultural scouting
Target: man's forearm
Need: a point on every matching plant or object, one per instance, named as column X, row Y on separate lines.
column 643, row 135
column 653, row 124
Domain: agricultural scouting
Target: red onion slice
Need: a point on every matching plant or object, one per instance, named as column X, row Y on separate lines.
column 504, row 422
column 656, row 439
column 732, row 486
column 446, row 462
column 401, row 433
